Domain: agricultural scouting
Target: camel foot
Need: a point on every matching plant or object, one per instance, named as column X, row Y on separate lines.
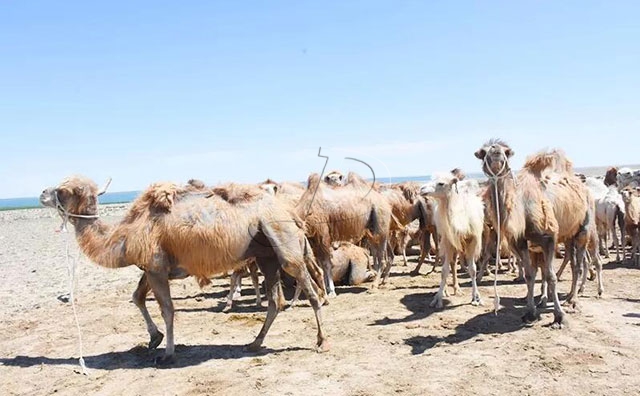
column 570, row 304
column 323, row 347
column 332, row 294
column 557, row 325
column 477, row 302
column 165, row 360
column 253, row 347
column 520, row 279
column 155, row 340
column 530, row 317
column 543, row 303
column 457, row 292
column 227, row 308
column 436, row 303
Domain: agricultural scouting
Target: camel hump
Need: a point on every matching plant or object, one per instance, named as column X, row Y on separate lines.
column 355, row 179
column 237, row 193
column 554, row 160
column 161, row 196
column 313, row 181
column 409, row 190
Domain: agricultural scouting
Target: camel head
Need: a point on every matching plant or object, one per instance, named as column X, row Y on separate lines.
column 495, row 156
column 628, row 192
column 74, row 196
column 270, row 186
column 440, row 186
column 335, row 179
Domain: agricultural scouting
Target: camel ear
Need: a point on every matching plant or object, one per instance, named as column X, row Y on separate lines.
column 509, row 152
column 480, row 154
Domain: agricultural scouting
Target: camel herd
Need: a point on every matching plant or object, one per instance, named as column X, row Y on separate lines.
column 344, row 230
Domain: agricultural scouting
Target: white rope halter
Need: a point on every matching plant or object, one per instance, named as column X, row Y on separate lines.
column 72, row 265
column 494, row 177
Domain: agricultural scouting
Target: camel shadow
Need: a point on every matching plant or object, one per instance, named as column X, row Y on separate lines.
column 632, row 315
column 418, row 304
column 140, row 357
column 507, row 320
column 626, row 264
column 351, row 289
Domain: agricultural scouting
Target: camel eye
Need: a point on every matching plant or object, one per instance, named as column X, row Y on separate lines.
column 440, row 184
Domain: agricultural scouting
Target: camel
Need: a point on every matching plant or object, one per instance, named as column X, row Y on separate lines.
column 406, row 206
column 631, row 196
column 170, row 233
column 489, row 242
column 610, row 209
column 459, row 220
column 548, row 205
column 347, row 213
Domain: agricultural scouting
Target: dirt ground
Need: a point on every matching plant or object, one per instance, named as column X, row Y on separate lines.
column 387, row 341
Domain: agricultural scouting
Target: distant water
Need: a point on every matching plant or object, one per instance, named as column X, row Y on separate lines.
column 128, row 196
column 108, row 198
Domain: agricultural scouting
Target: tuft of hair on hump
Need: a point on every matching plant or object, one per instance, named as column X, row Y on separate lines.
column 553, row 160
column 160, row 196
column 238, row 193
column 313, row 180
column 196, row 184
column 355, row 179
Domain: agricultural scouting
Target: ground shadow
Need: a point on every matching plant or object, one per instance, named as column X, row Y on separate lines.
column 418, row 304
column 508, row 320
column 140, row 357
column 632, row 315
column 350, row 289
column 626, row 264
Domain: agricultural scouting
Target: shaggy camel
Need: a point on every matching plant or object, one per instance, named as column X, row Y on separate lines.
column 631, row 196
column 489, row 243
column 609, row 210
column 347, row 213
column 611, row 177
column 549, row 204
column 406, row 206
column 171, row 234
column 459, row 220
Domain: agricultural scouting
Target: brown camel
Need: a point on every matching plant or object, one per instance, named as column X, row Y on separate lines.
column 406, row 205
column 547, row 205
column 170, row 233
column 611, row 177
column 347, row 213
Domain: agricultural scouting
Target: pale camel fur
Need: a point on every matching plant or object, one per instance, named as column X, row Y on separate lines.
column 459, row 220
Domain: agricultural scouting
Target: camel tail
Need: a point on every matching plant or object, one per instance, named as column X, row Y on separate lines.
column 373, row 225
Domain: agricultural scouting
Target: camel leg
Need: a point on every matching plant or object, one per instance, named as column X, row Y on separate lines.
column 303, row 282
column 380, row 249
column 565, row 261
column 437, row 299
column 616, row 243
column 235, row 287
column 471, row 269
column 253, row 271
column 585, row 269
column 454, row 270
column 296, row 296
column 328, row 279
column 140, row 300
column 530, row 276
column 558, row 313
column 577, row 256
column 159, row 283
column 270, row 270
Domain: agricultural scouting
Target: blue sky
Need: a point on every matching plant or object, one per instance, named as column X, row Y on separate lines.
column 242, row 91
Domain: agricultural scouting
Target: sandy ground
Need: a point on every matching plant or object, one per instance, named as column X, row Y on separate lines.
column 387, row 341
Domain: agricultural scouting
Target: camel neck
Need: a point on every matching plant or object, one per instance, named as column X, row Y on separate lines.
column 93, row 237
column 506, row 190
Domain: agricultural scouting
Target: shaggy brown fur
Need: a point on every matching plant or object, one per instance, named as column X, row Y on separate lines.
column 346, row 213
column 350, row 265
column 548, row 205
column 169, row 233
column 611, row 177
